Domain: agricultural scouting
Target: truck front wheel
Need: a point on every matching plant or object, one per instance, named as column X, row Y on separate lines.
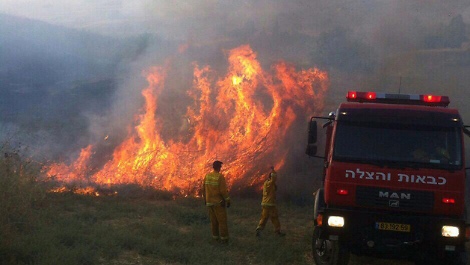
column 328, row 252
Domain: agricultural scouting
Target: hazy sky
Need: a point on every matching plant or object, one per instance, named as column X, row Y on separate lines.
column 165, row 17
column 190, row 18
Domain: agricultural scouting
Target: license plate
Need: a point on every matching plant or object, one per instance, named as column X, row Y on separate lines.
column 393, row 227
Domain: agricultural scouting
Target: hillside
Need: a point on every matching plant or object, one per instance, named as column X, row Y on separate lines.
column 52, row 79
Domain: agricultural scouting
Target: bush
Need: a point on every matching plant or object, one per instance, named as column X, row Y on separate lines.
column 20, row 192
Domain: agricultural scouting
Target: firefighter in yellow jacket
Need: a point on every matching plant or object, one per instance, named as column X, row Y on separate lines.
column 217, row 198
column 268, row 204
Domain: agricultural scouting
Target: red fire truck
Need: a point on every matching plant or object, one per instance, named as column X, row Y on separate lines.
column 393, row 180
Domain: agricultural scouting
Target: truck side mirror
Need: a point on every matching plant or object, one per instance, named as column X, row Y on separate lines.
column 312, row 138
column 466, row 131
column 312, row 132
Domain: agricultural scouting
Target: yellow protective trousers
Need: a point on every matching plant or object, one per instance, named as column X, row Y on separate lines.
column 218, row 217
column 269, row 211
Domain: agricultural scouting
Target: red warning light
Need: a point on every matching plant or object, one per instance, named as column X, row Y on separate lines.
column 374, row 97
column 352, row 94
column 370, row 95
column 342, row 192
column 431, row 98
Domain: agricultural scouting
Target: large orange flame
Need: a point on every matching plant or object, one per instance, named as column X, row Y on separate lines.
column 242, row 119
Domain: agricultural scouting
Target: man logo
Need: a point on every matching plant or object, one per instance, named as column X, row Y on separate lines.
column 393, row 203
column 395, row 195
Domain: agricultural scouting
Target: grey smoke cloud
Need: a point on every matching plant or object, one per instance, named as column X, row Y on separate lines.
column 386, row 26
column 374, row 19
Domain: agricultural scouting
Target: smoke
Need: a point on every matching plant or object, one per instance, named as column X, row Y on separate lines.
column 208, row 18
column 280, row 26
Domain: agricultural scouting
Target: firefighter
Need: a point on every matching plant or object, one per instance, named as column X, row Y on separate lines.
column 420, row 155
column 437, row 151
column 216, row 198
column 268, row 204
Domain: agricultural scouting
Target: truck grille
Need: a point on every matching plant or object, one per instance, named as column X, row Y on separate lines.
column 394, row 199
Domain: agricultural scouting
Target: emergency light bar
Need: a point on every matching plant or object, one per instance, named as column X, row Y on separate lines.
column 374, row 97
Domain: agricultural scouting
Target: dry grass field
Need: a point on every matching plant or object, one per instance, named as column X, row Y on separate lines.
column 155, row 228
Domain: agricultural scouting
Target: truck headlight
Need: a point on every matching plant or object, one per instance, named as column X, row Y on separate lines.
column 336, row 221
column 450, row 231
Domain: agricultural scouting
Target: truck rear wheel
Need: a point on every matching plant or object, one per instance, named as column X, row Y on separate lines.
column 328, row 252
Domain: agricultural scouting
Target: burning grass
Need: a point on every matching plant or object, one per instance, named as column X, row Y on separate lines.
column 245, row 116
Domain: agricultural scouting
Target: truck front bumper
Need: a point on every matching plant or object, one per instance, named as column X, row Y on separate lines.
column 396, row 234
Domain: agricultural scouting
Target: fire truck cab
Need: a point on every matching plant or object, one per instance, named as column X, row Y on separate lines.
column 393, row 180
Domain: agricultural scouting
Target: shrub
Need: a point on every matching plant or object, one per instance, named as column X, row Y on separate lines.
column 19, row 194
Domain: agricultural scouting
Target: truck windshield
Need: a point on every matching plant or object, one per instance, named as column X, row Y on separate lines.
column 398, row 145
